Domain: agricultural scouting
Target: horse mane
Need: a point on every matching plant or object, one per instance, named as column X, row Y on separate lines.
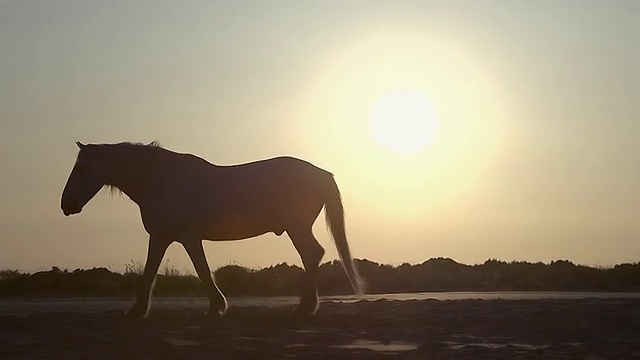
column 114, row 191
column 152, row 146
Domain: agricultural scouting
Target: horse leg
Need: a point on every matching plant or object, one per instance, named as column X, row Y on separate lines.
column 311, row 254
column 157, row 248
column 217, row 301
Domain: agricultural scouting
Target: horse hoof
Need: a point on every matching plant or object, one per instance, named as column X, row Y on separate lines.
column 214, row 314
column 305, row 310
column 136, row 313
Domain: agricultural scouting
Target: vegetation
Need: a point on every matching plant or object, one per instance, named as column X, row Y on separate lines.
column 438, row 274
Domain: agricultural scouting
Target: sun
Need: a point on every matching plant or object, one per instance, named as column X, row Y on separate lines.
column 404, row 121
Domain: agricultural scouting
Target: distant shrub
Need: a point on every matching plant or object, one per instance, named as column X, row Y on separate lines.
column 437, row 274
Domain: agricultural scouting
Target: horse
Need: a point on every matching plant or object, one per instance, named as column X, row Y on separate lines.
column 186, row 199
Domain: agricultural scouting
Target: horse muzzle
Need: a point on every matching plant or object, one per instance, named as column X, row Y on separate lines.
column 71, row 210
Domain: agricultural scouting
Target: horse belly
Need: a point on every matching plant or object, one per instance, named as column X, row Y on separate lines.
column 234, row 225
column 241, row 207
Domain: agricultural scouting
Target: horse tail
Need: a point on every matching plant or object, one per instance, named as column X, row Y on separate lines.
column 334, row 214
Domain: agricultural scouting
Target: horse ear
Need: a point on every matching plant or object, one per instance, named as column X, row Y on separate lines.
column 80, row 145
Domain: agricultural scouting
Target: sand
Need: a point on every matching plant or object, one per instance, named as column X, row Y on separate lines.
column 416, row 329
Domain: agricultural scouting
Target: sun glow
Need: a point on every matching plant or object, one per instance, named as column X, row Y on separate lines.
column 404, row 121
column 414, row 129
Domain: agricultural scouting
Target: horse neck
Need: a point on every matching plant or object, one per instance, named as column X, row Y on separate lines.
column 131, row 173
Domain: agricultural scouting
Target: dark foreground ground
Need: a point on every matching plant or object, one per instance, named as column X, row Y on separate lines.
column 427, row 329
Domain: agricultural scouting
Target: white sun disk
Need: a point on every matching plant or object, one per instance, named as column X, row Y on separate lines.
column 404, row 121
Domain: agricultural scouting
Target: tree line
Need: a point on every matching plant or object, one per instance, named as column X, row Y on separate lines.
column 436, row 274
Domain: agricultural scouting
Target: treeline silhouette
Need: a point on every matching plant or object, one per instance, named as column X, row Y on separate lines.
column 437, row 274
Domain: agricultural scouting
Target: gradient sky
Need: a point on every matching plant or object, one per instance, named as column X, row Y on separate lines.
column 537, row 156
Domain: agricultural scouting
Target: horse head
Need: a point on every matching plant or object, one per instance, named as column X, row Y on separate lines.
column 86, row 179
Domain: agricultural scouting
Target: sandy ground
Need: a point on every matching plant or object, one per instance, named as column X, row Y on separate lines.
column 418, row 329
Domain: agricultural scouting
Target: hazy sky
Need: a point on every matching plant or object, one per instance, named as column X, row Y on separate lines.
column 537, row 155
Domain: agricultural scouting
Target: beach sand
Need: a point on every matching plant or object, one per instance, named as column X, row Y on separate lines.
column 416, row 329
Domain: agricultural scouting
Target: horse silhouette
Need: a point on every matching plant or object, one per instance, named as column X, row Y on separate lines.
column 186, row 199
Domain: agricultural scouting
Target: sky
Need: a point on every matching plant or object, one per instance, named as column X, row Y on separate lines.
column 535, row 154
